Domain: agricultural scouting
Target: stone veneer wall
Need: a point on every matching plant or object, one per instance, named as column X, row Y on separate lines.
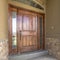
column 3, row 50
column 53, row 47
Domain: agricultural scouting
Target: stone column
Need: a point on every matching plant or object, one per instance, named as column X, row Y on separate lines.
column 3, row 29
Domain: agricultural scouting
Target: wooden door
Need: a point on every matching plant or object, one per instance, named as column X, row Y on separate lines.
column 27, row 31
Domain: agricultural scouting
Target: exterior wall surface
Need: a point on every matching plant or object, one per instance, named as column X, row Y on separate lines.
column 3, row 29
column 3, row 50
column 4, row 19
column 53, row 18
column 53, row 47
column 53, row 27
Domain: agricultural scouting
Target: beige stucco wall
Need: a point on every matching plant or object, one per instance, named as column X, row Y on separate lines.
column 3, row 19
column 53, row 18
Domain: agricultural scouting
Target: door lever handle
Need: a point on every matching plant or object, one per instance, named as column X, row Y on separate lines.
column 20, row 32
column 20, row 35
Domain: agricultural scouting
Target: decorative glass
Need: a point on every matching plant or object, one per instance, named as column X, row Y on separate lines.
column 41, row 31
column 14, row 26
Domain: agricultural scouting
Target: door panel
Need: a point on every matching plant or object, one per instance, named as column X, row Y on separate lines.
column 28, row 32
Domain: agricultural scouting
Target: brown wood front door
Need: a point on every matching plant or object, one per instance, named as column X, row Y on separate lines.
column 26, row 31
column 27, row 28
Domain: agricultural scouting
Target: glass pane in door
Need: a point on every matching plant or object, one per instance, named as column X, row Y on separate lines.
column 14, row 36
column 41, row 31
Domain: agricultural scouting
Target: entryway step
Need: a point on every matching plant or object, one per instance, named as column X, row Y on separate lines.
column 26, row 56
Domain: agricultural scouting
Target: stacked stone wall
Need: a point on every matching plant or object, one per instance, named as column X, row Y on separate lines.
column 53, row 47
column 3, row 50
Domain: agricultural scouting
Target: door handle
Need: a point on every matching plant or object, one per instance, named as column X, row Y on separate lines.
column 20, row 35
column 20, row 32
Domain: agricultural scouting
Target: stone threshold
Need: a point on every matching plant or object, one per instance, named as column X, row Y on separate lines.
column 30, row 55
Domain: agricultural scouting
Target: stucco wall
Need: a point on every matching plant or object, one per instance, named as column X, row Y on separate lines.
column 3, row 19
column 53, row 18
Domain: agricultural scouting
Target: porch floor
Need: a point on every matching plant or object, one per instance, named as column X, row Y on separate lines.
column 37, row 55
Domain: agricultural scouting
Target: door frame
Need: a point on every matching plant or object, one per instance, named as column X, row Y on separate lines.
column 9, row 41
column 10, row 30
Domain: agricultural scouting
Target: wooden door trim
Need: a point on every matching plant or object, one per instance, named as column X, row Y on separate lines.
column 43, row 31
column 43, row 16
